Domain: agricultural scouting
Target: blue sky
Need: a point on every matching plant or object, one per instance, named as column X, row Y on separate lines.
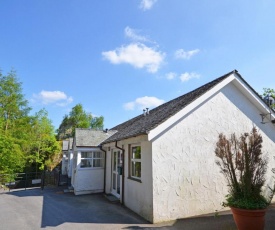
column 117, row 57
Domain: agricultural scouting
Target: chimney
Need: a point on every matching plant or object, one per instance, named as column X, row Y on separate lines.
column 146, row 112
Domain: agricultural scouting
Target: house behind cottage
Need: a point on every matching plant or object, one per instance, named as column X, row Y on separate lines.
column 88, row 162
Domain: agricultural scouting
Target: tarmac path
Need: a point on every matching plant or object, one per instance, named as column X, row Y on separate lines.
column 51, row 208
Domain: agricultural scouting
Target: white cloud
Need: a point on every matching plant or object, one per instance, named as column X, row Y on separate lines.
column 52, row 97
column 138, row 55
column 147, row 4
column 171, row 75
column 133, row 34
column 143, row 102
column 181, row 54
column 187, row 76
column 129, row 106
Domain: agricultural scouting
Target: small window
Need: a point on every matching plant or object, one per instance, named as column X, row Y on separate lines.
column 135, row 163
column 92, row 160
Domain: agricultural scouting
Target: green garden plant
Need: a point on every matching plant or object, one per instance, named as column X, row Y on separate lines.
column 242, row 163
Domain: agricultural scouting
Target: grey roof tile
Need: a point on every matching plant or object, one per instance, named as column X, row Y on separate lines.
column 91, row 137
column 142, row 124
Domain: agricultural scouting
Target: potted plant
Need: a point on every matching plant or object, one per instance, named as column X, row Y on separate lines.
column 242, row 163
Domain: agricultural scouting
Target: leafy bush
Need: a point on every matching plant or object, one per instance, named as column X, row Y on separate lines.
column 242, row 163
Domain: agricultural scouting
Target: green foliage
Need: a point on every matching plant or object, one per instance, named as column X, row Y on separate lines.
column 13, row 107
column 269, row 92
column 43, row 143
column 24, row 139
column 78, row 118
column 54, row 159
column 247, row 202
column 242, row 163
column 97, row 123
column 12, row 159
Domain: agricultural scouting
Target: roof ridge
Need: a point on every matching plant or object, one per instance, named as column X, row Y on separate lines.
column 142, row 124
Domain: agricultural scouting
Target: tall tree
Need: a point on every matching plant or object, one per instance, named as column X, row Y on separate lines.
column 12, row 158
column 24, row 139
column 44, row 146
column 13, row 107
column 77, row 118
column 80, row 118
column 14, row 124
column 97, row 123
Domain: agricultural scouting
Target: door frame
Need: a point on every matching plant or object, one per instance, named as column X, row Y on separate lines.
column 116, row 154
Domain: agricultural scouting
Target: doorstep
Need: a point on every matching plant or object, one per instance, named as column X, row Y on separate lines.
column 112, row 198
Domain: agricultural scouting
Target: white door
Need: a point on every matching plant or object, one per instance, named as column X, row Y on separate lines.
column 116, row 161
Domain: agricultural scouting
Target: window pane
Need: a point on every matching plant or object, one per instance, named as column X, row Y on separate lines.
column 98, row 163
column 118, row 184
column 136, row 169
column 86, row 154
column 114, row 181
column 115, row 161
column 97, row 154
column 136, row 152
column 85, row 163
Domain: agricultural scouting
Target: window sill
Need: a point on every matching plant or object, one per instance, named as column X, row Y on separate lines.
column 134, row 179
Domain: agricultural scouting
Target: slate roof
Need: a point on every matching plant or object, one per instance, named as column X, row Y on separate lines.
column 142, row 124
column 90, row 137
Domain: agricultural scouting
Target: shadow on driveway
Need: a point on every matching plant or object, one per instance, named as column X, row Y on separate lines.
column 51, row 207
column 54, row 209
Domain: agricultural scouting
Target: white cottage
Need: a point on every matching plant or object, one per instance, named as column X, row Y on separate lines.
column 88, row 161
column 167, row 153
column 64, row 165
column 70, row 159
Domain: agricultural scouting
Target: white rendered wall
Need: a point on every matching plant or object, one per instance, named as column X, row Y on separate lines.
column 137, row 195
column 108, row 175
column 87, row 180
column 74, row 167
column 70, row 163
column 186, row 180
column 64, row 167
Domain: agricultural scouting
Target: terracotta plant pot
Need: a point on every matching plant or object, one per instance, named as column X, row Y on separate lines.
column 249, row 219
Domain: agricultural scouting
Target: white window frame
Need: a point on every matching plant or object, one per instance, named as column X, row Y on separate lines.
column 92, row 158
column 135, row 160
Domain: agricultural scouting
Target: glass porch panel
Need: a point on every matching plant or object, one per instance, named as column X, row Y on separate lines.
column 86, row 154
column 97, row 154
column 86, row 163
column 115, row 162
column 98, row 163
column 118, row 184
column 114, row 181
